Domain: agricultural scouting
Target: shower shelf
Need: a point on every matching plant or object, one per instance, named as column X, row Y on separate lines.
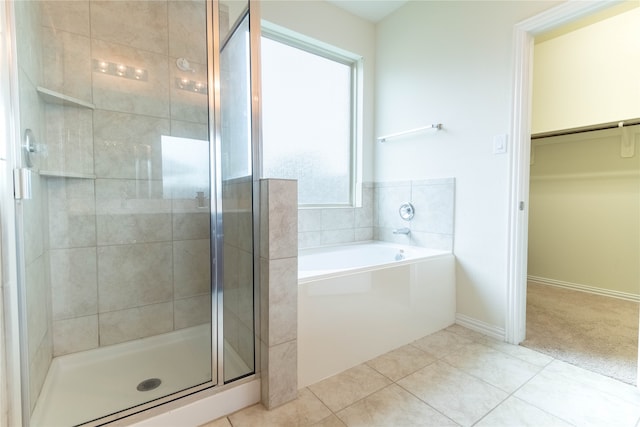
column 52, row 97
column 59, row 174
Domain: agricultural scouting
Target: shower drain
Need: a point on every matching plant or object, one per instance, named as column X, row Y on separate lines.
column 150, row 384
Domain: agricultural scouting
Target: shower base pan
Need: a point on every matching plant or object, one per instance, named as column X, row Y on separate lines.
column 83, row 386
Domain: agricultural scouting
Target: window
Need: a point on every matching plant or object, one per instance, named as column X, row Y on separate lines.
column 308, row 119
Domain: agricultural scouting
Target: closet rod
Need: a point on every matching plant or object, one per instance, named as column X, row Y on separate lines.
column 603, row 126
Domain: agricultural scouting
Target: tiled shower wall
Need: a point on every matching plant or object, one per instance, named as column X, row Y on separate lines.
column 128, row 260
column 431, row 227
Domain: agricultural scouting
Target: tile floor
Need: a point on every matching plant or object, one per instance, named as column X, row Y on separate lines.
column 455, row 377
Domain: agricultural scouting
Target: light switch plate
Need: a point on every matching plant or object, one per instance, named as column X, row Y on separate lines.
column 500, row 144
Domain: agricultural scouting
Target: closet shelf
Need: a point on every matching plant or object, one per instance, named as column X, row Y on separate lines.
column 628, row 174
column 52, row 97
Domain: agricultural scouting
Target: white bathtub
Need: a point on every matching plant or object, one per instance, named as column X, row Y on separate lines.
column 356, row 302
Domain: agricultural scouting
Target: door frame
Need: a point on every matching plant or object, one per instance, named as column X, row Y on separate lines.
column 523, row 46
column 523, row 38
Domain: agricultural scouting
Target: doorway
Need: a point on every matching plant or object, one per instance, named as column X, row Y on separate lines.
column 583, row 270
column 525, row 32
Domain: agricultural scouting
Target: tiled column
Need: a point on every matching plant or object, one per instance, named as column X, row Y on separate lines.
column 279, row 290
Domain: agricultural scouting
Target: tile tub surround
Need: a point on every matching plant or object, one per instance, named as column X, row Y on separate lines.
column 278, row 291
column 331, row 226
column 433, row 223
column 432, row 226
column 455, row 377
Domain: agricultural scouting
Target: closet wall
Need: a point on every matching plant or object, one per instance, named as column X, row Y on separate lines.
column 584, row 217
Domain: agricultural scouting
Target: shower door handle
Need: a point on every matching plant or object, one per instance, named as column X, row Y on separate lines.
column 22, row 184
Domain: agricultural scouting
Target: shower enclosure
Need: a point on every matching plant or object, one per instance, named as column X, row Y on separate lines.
column 134, row 203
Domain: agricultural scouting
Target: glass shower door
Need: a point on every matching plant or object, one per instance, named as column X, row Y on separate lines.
column 236, row 177
column 115, row 237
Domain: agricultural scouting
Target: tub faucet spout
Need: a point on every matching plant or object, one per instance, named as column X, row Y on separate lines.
column 403, row 230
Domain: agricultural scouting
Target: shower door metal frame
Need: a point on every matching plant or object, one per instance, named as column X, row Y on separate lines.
column 252, row 13
column 213, row 104
column 11, row 271
column 215, row 185
column 12, row 227
column 255, row 40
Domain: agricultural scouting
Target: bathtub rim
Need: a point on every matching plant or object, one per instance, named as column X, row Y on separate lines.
column 428, row 253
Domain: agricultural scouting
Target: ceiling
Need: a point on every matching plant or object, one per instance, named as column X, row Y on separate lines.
column 608, row 12
column 371, row 10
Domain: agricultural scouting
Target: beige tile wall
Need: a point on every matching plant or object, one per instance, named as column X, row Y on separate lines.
column 278, row 291
column 378, row 216
column 127, row 260
column 332, row 226
column 432, row 225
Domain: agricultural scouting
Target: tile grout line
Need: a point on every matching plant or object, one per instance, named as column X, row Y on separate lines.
column 356, row 401
column 512, row 394
column 317, row 397
column 436, row 410
column 395, row 382
column 436, row 359
column 392, row 382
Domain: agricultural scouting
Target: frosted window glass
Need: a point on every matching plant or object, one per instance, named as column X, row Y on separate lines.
column 235, row 98
column 185, row 167
column 306, row 113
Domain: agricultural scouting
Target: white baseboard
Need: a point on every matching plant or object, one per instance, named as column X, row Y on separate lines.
column 479, row 326
column 585, row 288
